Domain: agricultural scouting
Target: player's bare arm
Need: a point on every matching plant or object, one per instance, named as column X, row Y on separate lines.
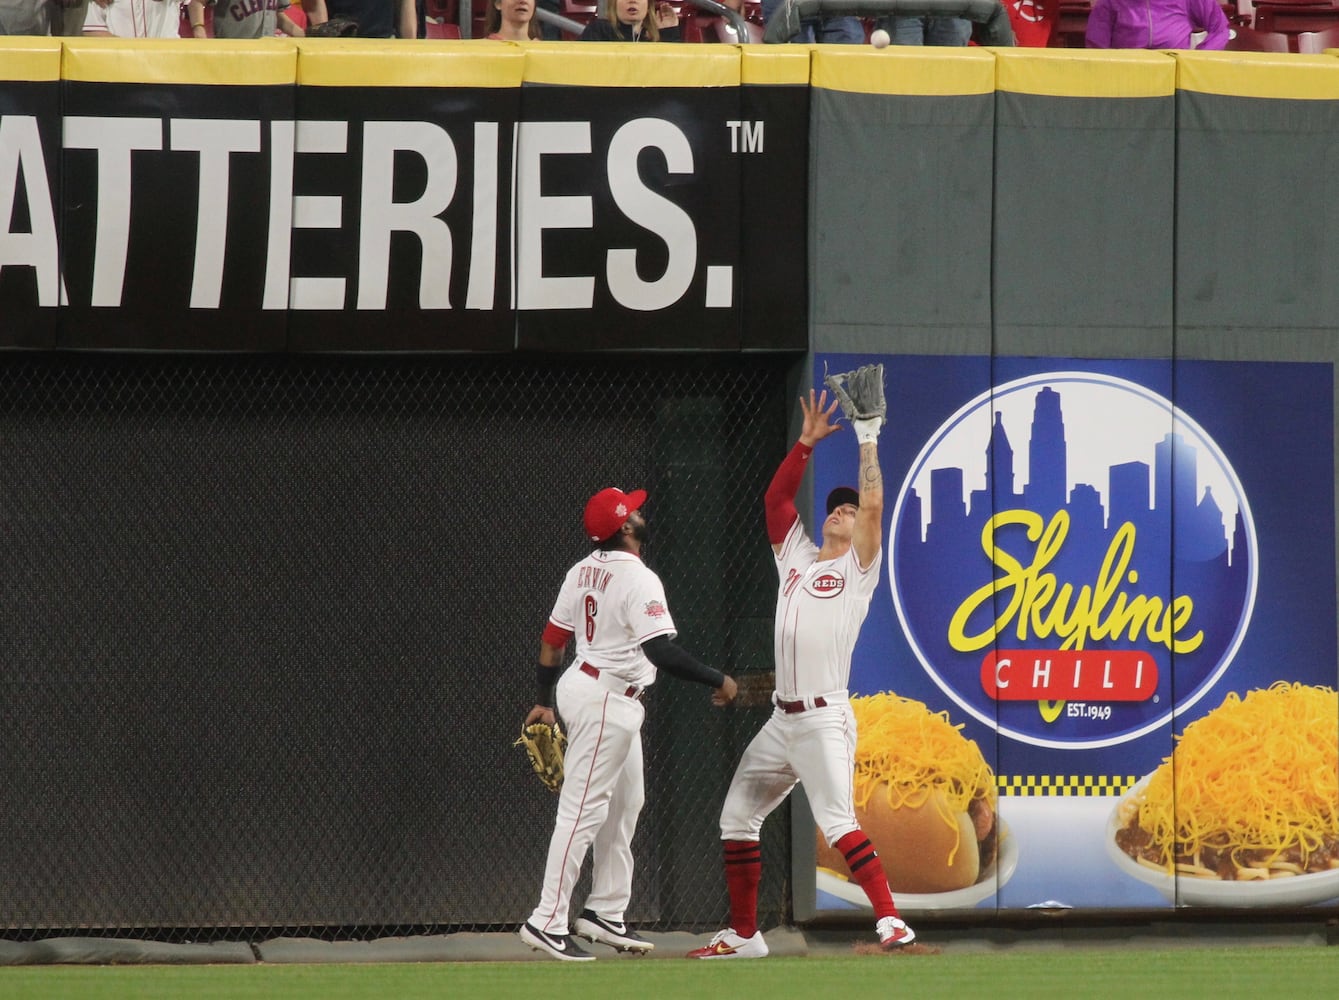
column 867, row 536
column 550, row 659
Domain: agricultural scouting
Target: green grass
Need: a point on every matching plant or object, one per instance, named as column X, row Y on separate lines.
column 1121, row 973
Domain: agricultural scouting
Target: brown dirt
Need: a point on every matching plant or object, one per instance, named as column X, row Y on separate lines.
column 915, row 948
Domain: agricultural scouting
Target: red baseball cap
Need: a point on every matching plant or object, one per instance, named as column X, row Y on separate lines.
column 607, row 511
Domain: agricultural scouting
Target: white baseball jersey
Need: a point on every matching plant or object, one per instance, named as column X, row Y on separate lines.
column 612, row 603
column 819, row 610
column 136, row 18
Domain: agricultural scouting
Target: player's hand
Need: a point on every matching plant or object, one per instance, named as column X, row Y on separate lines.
column 818, row 422
column 540, row 714
column 666, row 16
column 725, row 694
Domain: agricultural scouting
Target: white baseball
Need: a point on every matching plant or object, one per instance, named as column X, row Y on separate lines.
column 879, row 38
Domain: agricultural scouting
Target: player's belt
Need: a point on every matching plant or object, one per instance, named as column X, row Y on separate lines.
column 611, row 683
column 791, row 707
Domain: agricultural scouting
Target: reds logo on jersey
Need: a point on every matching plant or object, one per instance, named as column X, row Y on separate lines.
column 827, row 584
column 654, row 609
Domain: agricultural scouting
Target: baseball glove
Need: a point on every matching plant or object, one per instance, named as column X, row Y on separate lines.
column 860, row 393
column 544, row 745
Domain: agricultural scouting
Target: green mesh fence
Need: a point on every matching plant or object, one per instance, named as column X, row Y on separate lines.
column 270, row 624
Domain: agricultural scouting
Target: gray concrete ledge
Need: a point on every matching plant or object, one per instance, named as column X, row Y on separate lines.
column 502, row 947
column 1244, row 930
column 122, row 951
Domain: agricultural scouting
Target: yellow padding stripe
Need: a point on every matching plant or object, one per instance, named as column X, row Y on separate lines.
column 632, row 64
column 1259, row 74
column 774, row 64
column 904, row 70
column 1073, row 785
column 220, row 62
column 354, row 62
column 1085, row 72
column 29, row 58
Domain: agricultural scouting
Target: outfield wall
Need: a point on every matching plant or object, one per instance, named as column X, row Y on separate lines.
column 1102, row 286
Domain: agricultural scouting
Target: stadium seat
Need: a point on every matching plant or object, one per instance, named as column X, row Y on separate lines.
column 1071, row 22
column 1296, row 16
column 1250, row 40
column 1318, row 41
column 440, row 29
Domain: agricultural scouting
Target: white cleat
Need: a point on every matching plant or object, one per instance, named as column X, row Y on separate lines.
column 894, row 933
column 728, row 944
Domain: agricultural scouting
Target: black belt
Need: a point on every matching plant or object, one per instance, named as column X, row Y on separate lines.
column 633, row 691
column 791, row 707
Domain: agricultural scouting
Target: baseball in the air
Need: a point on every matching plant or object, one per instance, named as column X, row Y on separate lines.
column 879, row 38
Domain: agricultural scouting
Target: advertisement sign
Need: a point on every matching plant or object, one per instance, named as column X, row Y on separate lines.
column 329, row 214
column 1089, row 565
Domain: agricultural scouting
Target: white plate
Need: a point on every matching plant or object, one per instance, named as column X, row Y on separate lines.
column 1187, row 890
column 995, row 875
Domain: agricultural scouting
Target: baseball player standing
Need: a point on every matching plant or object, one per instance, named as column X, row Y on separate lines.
column 615, row 607
column 810, row 737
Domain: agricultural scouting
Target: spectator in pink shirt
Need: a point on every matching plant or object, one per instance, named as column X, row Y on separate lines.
column 1155, row 24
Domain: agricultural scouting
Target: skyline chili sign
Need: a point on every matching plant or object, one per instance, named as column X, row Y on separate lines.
column 1067, row 535
column 1084, row 559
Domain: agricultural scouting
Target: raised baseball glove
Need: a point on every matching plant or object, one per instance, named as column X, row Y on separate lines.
column 860, row 393
column 544, row 744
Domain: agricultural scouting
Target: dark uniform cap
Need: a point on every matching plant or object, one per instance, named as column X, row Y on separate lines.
column 841, row 495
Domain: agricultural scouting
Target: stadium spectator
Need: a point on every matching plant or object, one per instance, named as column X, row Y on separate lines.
column 243, row 18
column 829, row 30
column 25, row 17
column 928, row 30
column 634, row 21
column 375, row 18
column 1155, row 24
column 67, row 17
column 512, row 21
column 134, row 18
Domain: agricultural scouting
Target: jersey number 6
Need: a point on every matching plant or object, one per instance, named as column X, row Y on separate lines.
column 592, row 609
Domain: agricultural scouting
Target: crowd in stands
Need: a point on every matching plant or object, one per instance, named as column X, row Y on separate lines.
column 1140, row 24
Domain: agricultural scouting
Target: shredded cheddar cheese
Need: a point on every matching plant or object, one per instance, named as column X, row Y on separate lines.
column 1250, row 791
column 915, row 752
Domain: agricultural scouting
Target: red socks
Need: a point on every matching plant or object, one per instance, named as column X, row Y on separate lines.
column 867, row 870
column 743, row 872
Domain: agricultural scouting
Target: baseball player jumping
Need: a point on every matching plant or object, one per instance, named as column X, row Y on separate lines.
column 811, row 735
column 615, row 607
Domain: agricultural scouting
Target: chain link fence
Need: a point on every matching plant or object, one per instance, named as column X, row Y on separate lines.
column 270, row 625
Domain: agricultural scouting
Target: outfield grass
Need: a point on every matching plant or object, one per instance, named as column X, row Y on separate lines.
column 1123, row 973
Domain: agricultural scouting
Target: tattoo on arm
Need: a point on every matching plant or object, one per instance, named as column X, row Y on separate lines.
column 871, row 477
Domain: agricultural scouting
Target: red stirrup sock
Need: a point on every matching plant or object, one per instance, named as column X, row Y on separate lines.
column 867, row 870
column 743, row 872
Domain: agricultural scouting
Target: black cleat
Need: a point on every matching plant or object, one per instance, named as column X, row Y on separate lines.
column 593, row 927
column 560, row 946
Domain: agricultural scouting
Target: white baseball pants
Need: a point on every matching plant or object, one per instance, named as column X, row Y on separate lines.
column 815, row 748
column 601, row 798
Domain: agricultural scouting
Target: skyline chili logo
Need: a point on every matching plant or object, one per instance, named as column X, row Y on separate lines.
column 1058, row 545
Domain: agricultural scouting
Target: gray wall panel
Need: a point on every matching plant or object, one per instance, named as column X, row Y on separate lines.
column 1257, row 243
column 1083, row 225
column 901, row 222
